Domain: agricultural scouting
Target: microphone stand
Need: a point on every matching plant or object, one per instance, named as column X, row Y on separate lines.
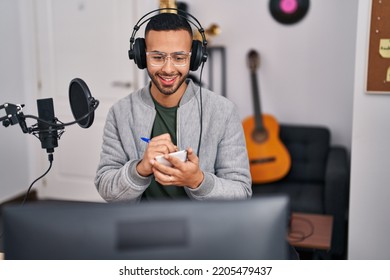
column 49, row 129
column 15, row 115
column 47, row 135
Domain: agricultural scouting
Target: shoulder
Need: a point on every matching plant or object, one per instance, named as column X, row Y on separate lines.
column 217, row 101
column 209, row 98
column 134, row 99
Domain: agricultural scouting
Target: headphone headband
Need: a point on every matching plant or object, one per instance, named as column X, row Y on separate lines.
column 137, row 46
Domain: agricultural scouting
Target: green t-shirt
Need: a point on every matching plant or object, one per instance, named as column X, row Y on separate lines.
column 165, row 122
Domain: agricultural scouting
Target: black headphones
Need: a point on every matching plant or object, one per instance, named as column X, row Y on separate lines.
column 198, row 50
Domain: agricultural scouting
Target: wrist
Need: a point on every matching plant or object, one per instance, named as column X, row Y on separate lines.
column 142, row 171
column 198, row 181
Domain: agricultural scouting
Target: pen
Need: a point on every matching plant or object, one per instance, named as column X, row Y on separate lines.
column 145, row 139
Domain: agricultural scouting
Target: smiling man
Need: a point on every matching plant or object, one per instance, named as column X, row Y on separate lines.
column 172, row 113
column 168, row 78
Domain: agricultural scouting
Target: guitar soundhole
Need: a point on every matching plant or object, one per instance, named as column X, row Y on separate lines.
column 259, row 136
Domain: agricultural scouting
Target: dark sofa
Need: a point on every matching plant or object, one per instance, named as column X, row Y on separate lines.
column 318, row 181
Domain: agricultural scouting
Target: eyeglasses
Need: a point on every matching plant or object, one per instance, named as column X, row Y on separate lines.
column 179, row 59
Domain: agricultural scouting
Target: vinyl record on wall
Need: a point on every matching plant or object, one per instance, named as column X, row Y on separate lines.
column 288, row 11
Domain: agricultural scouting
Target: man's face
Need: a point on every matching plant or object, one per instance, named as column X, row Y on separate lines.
column 168, row 78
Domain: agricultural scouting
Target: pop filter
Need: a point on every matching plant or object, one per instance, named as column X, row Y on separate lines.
column 81, row 102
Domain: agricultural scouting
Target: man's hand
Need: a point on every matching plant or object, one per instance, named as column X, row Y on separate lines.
column 181, row 173
column 158, row 145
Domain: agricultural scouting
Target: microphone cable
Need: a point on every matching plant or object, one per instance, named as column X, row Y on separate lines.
column 50, row 158
column 299, row 236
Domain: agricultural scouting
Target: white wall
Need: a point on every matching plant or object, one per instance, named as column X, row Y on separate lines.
column 307, row 69
column 15, row 159
column 369, row 227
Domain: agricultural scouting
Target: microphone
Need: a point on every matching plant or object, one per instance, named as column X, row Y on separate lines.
column 47, row 129
column 82, row 104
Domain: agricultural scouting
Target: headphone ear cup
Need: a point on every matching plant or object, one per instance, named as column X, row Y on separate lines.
column 197, row 55
column 138, row 54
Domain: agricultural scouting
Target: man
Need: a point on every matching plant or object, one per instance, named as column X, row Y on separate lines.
column 175, row 114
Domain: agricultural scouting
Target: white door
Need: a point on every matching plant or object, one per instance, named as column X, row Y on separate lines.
column 87, row 39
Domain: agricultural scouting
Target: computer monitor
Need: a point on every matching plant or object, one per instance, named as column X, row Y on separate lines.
column 186, row 230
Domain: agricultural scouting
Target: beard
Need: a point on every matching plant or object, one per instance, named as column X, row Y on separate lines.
column 167, row 89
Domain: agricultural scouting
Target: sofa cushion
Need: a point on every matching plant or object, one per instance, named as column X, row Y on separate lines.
column 308, row 147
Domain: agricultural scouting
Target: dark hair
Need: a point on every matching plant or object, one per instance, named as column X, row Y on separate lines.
column 168, row 21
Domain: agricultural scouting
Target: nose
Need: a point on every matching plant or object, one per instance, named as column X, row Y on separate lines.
column 168, row 63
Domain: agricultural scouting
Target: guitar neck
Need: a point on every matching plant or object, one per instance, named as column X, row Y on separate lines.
column 256, row 103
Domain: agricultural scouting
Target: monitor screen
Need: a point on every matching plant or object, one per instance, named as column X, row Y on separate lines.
column 251, row 229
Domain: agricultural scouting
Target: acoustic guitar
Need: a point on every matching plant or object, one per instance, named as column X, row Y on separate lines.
column 268, row 157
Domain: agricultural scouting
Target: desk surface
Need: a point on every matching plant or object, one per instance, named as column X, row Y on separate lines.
column 311, row 231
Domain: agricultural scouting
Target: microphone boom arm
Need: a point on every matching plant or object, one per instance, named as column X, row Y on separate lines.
column 14, row 116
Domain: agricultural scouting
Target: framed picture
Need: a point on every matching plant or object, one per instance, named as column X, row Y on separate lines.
column 378, row 64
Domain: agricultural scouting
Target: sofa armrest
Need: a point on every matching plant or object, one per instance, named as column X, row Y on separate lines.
column 336, row 180
column 337, row 195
